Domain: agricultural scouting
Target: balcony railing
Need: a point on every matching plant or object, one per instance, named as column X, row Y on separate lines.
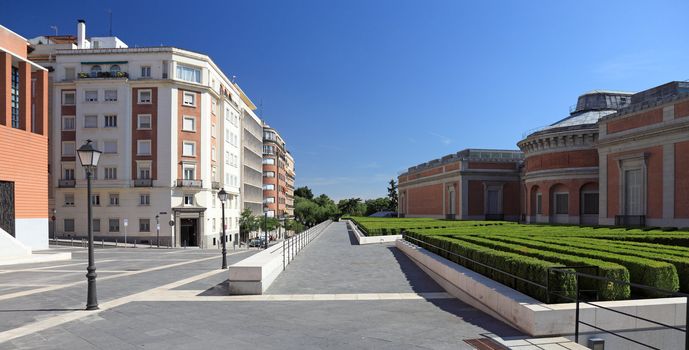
column 143, row 182
column 67, row 183
column 215, row 185
column 115, row 75
column 189, row 183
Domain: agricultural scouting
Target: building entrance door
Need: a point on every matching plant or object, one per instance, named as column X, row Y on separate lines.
column 632, row 192
column 493, row 205
column 7, row 207
column 189, row 232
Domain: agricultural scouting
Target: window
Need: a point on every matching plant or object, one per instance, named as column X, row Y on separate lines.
column 269, row 187
column 68, row 123
column 68, row 173
column 144, row 225
column 269, row 161
column 144, row 199
column 110, row 146
column 114, row 69
column 227, row 157
column 68, row 98
column 189, row 73
column 144, row 172
column 189, row 172
column 269, row 200
column 269, row 174
column 110, row 173
column 114, row 199
column 95, row 199
column 213, row 130
column 91, row 121
column 539, row 203
column 590, row 203
column 268, row 150
column 143, row 147
column 95, row 223
column 110, row 121
column 114, row 225
column 68, row 225
column 633, row 192
column 189, row 124
column 213, row 150
column 91, row 95
column 95, row 70
column 144, row 121
column 189, row 149
column 110, row 95
column 68, row 148
column 70, row 73
column 145, row 71
column 69, row 199
column 144, row 96
column 561, row 203
column 189, row 99
column 188, row 199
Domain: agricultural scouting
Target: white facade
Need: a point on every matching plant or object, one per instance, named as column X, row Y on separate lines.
column 115, row 112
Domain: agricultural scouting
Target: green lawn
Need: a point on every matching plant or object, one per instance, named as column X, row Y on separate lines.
column 651, row 257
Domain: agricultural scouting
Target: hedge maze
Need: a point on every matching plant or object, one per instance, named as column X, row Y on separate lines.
column 651, row 256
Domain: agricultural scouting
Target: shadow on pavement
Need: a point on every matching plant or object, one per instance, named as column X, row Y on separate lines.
column 421, row 282
column 220, row 289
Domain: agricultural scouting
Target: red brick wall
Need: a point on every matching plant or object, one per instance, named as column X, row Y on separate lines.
column 425, row 200
column 13, row 43
column 152, row 134
column 511, row 198
column 188, row 135
column 475, row 197
column 636, row 121
column 453, row 166
column 682, row 109
column 682, row 179
column 559, row 160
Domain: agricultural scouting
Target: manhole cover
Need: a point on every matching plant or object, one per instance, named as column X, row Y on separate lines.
column 485, row 344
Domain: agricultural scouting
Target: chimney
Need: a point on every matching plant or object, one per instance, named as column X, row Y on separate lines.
column 81, row 35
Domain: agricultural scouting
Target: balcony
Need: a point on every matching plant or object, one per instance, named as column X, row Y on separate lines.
column 189, row 183
column 143, row 183
column 67, row 183
column 215, row 185
column 104, row 75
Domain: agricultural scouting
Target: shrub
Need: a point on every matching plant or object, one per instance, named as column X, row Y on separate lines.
column 525, row 267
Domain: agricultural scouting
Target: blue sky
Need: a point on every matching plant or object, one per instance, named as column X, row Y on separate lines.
column 361, row 89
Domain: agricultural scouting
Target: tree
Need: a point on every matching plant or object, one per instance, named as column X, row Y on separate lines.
column 304, row 192
column 378, row 204
column 392, row 195
column 352, row 206
column 247, row 223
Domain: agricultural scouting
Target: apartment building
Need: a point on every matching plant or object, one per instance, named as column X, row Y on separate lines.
column 252, row 168
column 274, row 173
column 24, row 141
column 290, row 174
column 169, row 123
column 473, row 184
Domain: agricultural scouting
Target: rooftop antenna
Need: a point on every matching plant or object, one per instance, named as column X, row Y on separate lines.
column 54, row 28
column 110, row 13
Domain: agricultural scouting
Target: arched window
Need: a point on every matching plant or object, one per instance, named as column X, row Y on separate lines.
column 95, row 70
column 114, row 69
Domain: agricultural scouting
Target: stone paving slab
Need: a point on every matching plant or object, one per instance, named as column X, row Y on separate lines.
column 334, row 263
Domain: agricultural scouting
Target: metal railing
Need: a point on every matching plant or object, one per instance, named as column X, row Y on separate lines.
column 143, row 182
column 572, row 270
column 291, row 246
column 66, row 183
column 189, row 183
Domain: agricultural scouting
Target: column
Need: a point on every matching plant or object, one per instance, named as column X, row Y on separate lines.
column 5, row 89
column 41, row 101
column 25, row 96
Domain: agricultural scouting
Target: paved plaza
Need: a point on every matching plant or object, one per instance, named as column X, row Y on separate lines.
column 335, row 295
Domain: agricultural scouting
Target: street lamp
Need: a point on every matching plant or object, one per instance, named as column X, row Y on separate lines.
column 222, row 195
column 265, row 227
column 89, row 156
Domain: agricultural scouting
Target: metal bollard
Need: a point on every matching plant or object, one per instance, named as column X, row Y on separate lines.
column 115, row 242
column 102, row 243
column 71, row 241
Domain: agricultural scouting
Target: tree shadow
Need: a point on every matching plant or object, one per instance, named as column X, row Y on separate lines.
column 421, row 282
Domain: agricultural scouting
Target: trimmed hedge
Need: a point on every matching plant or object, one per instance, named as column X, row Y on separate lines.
column 528, row 268
column 680, row 263
column 643, row 271
column 606, row 291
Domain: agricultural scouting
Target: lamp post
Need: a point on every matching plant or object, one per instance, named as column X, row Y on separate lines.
column 222, row 195
column 265, row 227
column 89, row 156
column 157, row 231
column 53, row 218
